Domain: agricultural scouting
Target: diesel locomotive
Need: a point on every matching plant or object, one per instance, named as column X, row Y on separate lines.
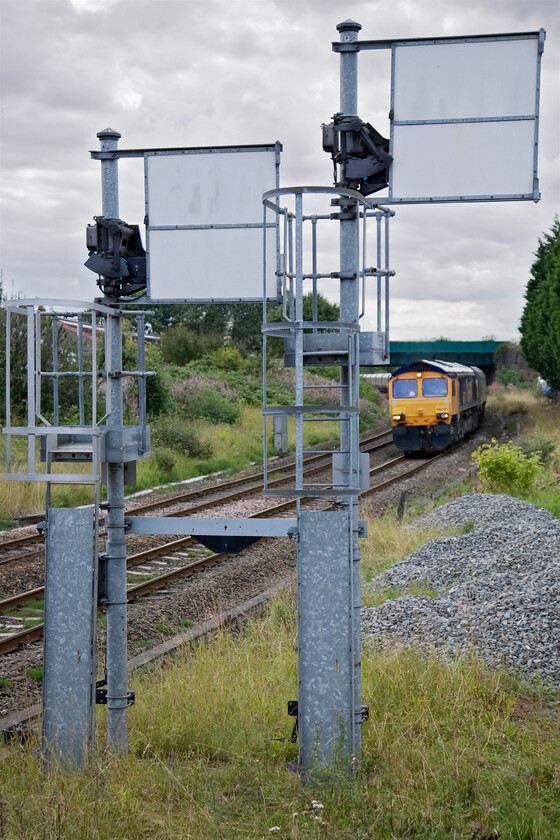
column 435, row 404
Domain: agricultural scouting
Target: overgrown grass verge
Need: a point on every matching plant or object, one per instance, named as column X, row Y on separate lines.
column 449, row 750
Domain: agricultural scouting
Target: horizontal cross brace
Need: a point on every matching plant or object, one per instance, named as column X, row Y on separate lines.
column 202, row 526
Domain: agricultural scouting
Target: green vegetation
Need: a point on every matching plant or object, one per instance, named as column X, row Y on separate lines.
column 31, row 622
column 29, row 611
column 512, row 376
column 504, row 468
column 530, row 468
column 35, row 674
column 540, row 322
column 138, row 578
column 450, row 751
column 185, row 623
column 5, row 682
column 163, row 628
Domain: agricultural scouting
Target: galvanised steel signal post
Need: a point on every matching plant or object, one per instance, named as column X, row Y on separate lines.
column 350, row 374
column 329, row 704
column 113, row 562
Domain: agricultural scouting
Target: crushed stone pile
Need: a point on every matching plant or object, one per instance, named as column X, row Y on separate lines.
column 499, row 585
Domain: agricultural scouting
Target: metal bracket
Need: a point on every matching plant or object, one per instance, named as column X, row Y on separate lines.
column 293, row 712
column 101, row 694
column 362, row 715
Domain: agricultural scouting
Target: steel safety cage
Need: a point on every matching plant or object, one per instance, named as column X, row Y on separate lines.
column 305, row 249
column 57, row 354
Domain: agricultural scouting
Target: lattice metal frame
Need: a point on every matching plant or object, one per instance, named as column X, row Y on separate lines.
column 316, row 343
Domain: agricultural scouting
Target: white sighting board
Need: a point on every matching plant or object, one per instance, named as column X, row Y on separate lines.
column 205, row 223
column 465, row 118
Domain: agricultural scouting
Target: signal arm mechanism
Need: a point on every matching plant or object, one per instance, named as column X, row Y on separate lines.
column 360, row 154
column 117, row 255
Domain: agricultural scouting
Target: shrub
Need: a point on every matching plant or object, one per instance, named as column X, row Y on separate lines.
column 173, row 433
column 538, row 444
column 227, row 358
column 165, row 461
column 158, row 386
column 209, row 404
column 180, row 345
column 504, row 468
column 511, row 376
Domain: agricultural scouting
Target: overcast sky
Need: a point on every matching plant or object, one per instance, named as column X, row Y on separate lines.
column 226, row 72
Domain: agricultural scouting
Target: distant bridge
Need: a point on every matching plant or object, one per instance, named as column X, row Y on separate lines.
column 479, row 353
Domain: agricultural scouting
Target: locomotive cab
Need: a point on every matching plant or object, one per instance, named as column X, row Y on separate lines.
column 434, row 404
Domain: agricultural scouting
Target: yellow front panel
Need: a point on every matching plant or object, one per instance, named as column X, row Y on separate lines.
column 420, row 410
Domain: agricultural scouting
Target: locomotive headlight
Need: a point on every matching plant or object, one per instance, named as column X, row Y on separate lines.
column 443, row 416
column 398, row 417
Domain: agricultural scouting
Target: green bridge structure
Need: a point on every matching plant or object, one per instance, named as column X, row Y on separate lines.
column 478, row 353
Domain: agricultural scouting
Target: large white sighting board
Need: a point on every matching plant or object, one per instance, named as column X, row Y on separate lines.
column 205, row 236
column 465, row 118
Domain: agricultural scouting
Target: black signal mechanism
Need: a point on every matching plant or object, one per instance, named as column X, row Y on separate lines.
column 360, row 154
column 116, row 254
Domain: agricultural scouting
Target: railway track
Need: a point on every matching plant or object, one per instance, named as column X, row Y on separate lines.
column 147, row 563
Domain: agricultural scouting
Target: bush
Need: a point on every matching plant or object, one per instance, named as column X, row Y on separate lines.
column 540, row 445
column 173, row 433
column 158, row 386
column 504, row 468
column 209, row 404
column 164, row 460
column 227, row 358
column 512, row 376
column 180, row 345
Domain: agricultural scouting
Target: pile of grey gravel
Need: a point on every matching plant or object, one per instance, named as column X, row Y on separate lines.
column 499, row 585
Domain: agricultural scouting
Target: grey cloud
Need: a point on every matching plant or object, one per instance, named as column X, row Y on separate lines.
column 219, row 73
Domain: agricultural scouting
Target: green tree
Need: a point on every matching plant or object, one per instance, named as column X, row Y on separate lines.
column 540, row 322
column 18, row 364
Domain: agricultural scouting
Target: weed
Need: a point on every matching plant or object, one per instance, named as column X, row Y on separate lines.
column 185, row 622
column 139, row 578
column 31, row 622
column 35, row 674
column 142, row 643
column 28, row 611
column 538, row 444
column 449, row 746
column 5, row 683
column 163, row 628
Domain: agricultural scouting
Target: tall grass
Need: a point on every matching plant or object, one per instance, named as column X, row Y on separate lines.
column 450, row 751
column 389, row 540
column 510, row 400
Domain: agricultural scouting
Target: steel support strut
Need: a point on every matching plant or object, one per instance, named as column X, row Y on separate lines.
column 350, row 378
column 115, row 551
